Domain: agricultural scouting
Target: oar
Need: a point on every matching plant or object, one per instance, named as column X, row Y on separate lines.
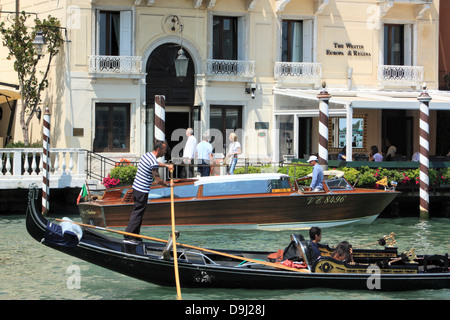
column 269, row 264
column 175, row 255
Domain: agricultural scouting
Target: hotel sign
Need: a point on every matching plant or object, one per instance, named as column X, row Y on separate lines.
column 348, row 49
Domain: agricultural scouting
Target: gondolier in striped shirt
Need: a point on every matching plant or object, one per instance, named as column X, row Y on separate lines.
column 146, row 173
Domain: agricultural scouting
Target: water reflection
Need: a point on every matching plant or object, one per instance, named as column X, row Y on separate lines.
column 33, row 271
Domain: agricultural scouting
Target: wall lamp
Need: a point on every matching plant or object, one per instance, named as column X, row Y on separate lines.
column 251, row 90
column 181, row 62
column 39, row 42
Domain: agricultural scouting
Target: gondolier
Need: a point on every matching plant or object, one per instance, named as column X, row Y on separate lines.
column 146, row 173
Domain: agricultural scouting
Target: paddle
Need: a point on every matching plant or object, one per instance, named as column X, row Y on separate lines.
column 269, row 264
column 175, row 255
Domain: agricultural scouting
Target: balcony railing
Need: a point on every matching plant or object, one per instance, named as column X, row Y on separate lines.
column 231, row 70
column 298, row 71
column 114, row 65
column 400, row 75
column 20, row 167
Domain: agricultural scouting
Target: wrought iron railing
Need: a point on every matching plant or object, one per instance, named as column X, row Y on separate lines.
column 409, row 75
column 115, row 64
column 298, row 70
column 230, row 68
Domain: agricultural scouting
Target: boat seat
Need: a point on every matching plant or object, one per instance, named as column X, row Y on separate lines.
column 128, row 196
column 435, row 263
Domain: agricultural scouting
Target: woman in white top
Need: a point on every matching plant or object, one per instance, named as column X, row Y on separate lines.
column 234, row 149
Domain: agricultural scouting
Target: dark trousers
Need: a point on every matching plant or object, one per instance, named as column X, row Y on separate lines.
column 204, row 169
column 140, row 204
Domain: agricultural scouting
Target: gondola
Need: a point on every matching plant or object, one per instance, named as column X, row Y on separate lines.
column 207, row 268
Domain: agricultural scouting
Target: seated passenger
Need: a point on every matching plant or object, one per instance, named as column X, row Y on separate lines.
column 343, row 252
column 315, row 234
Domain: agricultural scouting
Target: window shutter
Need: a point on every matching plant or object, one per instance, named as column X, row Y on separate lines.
column 125, row 33
column 407, row 44
column 307, row 40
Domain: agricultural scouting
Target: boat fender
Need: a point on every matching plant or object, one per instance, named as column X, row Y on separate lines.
column 68, row 226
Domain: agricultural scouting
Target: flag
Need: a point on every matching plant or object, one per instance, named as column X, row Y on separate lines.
column 382, row 182
column 83, row 193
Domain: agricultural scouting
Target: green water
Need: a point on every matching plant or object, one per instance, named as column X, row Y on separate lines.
column 29, row 270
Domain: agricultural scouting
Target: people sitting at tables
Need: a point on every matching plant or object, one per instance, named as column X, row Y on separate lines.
column 390, row 154
column 342, row 156
column 343, row 252
column 375, row 155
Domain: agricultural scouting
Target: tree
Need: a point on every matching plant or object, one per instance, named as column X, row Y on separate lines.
column 18, row 38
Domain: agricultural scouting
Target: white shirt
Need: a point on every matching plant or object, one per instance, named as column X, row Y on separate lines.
column 189, row 148
column 234, row 148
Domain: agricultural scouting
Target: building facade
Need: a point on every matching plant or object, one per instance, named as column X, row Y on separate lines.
column 255, row 68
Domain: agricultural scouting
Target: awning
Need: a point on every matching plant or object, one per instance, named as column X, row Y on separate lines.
column 372, row 99
column 8, row 95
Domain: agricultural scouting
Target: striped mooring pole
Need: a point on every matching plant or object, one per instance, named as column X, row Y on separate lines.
column 424, row 204
column 324, row 98
column 46, row 163
column 160, row 117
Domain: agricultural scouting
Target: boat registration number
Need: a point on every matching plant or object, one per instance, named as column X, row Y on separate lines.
column 325, row 199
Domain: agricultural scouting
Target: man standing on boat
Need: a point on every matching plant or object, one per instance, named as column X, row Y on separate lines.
column 189, row 154
column 317, row 178
column 146, row 173
column 204, row 156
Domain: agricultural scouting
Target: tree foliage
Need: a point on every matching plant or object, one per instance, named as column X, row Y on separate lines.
column 18, row 38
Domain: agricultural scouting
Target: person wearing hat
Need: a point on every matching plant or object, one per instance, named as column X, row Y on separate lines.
column 317, row 178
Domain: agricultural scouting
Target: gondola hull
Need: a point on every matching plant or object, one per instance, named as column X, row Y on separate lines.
column 145, row 262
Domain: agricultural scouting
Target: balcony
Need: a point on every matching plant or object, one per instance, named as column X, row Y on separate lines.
column 406, row 76
column 298, row 72
column 21, row 167
column 115, row 66
column 230, row 70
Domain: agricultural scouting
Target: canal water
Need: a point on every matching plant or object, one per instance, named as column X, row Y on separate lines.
column 32, row 271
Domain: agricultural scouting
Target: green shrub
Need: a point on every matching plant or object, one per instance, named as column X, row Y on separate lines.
column 125, row 174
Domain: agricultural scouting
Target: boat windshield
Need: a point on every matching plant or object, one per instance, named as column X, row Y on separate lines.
column 184, row 191
column 247, row 187
column 338, row 184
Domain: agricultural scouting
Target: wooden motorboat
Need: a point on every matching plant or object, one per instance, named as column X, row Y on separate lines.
column 207, row 268
column 264, row 201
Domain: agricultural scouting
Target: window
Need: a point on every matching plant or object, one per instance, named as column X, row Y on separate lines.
column 246, row 187
column 296, row 41
column 225, row 120
column 225, row 35
column 112, row 127
column 337, row 138
column 114, row 33
column 393, row 44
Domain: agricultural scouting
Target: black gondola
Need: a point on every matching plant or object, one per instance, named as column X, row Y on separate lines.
column 200, row 268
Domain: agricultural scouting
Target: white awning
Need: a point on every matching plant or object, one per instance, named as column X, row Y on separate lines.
column 372, row 99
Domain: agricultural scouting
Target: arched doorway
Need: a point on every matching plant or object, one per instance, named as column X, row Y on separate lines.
column 161, row 79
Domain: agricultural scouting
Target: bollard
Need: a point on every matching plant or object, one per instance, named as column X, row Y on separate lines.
column 424, row 204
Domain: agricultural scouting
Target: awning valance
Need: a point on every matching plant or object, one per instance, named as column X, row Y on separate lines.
column 8, row 95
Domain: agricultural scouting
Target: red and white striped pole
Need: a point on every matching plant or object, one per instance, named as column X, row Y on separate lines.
column 160, row 118
column 46, row 163
column 424, row 150
column 324, row 98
